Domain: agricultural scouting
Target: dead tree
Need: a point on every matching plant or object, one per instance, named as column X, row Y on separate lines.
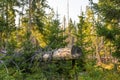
column 63, row 54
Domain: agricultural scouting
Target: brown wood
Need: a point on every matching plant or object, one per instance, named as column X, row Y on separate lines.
column 55, row 55
column 63, row 54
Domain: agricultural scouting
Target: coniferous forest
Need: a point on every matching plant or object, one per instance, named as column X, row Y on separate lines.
column 34, row 45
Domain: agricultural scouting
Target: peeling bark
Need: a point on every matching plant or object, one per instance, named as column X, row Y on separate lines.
column 55, row 55
column 63, row 54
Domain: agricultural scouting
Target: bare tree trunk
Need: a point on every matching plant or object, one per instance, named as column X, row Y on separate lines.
column 61, row 54
column 30, row 6
column 98, row 51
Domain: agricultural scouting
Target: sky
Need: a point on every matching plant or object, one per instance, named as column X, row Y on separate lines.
column 75, row 7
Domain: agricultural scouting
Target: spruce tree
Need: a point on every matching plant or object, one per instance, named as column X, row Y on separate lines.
column 108, row 10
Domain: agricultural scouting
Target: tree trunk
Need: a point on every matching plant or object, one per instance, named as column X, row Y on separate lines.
column 56, row 55
column 62, row 54
column 98, row 51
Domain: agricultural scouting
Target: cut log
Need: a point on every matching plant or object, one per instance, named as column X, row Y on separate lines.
column 63, row 54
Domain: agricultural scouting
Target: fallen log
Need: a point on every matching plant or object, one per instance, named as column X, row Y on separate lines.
column 60, row 54
column 63, row 54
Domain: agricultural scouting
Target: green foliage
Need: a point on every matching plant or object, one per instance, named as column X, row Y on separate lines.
column 80, row 35
column 54, row 35
column 108, row 24
column 19, row 59
column 97, row 73
column 109, row 9
column 103, row 31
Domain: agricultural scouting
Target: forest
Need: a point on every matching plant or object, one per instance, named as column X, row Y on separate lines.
column 34, row 45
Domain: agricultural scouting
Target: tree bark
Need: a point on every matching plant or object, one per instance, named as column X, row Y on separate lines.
column 59, row 54
column 98, row 51
column 62, row 54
